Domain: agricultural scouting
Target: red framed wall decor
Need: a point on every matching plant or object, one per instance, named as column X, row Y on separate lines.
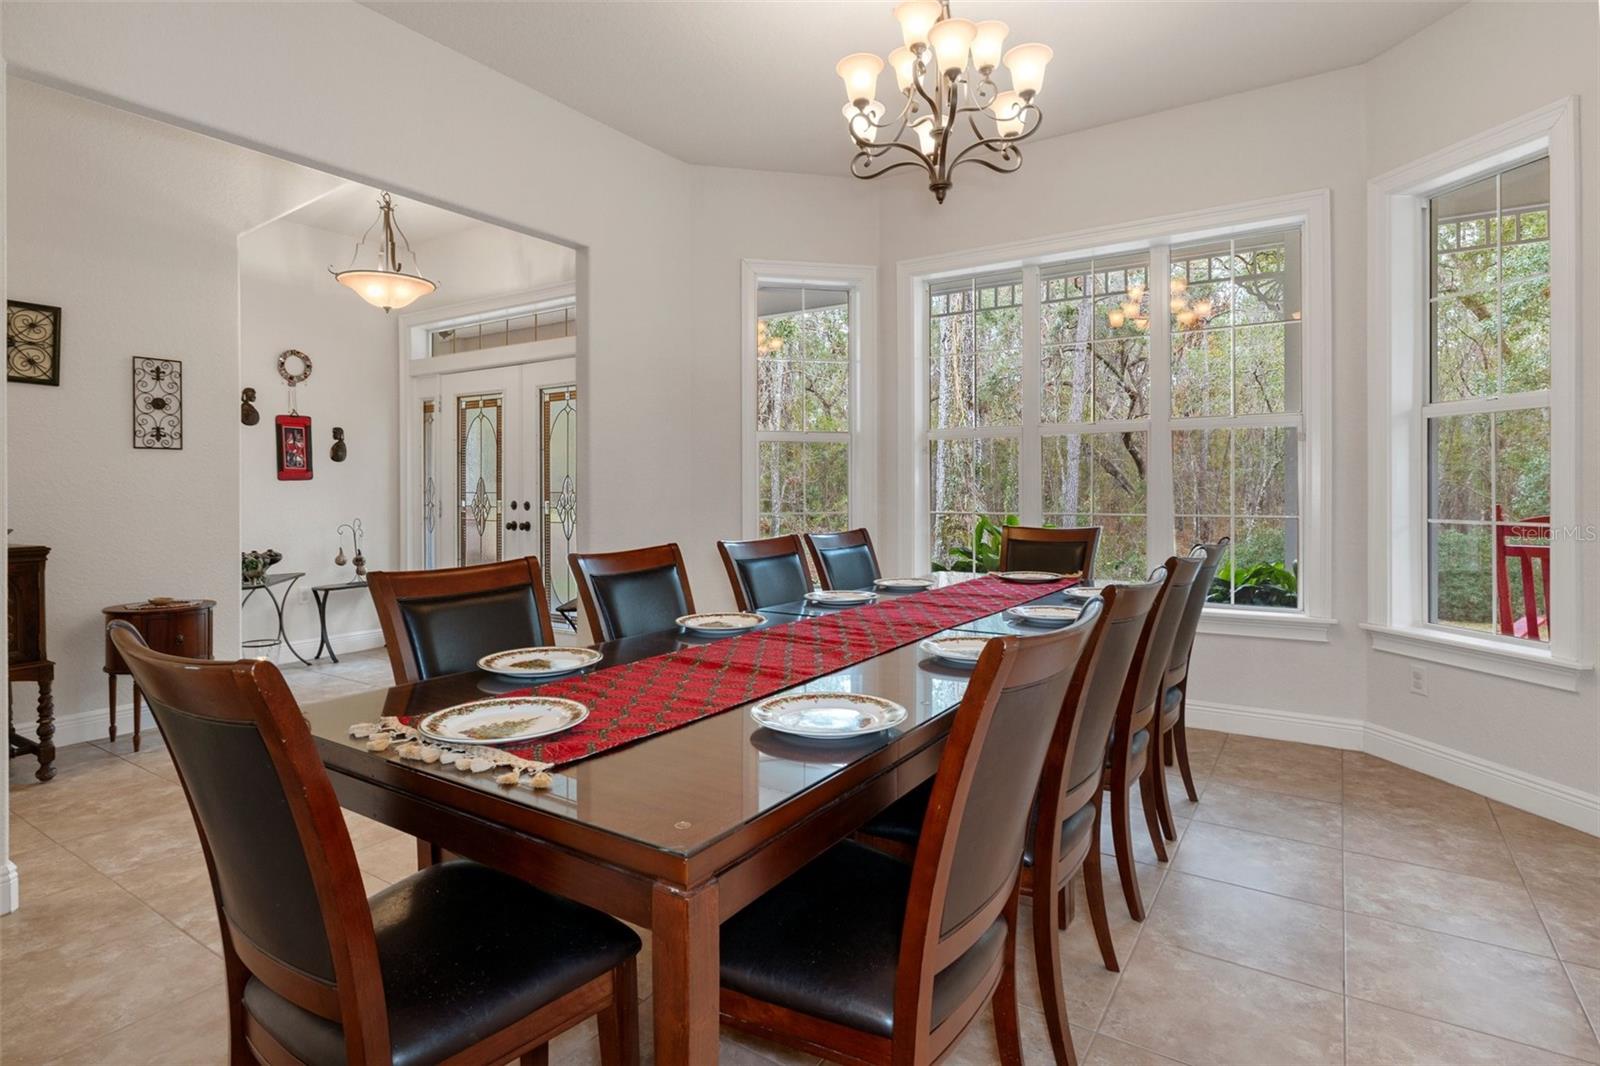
column 294, row 447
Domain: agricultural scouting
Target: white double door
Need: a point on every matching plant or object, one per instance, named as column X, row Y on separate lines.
column 499, row 468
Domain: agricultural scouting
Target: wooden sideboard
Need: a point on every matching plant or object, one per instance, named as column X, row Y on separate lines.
column 27, row 657
column 179, row 627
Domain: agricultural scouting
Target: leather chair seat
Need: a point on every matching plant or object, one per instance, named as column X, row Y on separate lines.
column 451, row 977
column 901, row 821
column 826, row 942
column 1073, row 831
column 1171, row 703
column 1141, row 741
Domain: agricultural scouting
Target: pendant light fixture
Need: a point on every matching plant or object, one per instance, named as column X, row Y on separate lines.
column 389, row 286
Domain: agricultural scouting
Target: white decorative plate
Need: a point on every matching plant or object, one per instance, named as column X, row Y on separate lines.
column 903, row 584
column 725, row 622
column 506, row 720
column 827, row 715
column 961, row 651
column 840, row 597
column 1028, row 577
column 538, row 662
column 1040, row 614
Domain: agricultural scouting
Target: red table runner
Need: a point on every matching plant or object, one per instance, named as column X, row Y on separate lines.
column 665, row 692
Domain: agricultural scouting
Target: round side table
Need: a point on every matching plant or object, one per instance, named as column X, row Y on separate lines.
column 181, row 627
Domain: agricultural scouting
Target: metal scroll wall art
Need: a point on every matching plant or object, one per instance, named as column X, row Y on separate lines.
column 157, row 403
column 33, row 343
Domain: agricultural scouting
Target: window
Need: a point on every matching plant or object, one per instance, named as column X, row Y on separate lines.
column 803, row 405
column 1153, row 390
column 544, row 324
column 1487, row 408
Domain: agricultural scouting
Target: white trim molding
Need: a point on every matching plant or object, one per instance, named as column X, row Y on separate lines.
column 1397, row 386
column 862, row 282
column 10, row 888
column 1267, row 625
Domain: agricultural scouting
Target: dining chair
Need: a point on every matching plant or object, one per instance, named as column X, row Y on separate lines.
column 844, row 560
column 1526, row 540
column 625, row 593
column 315, row 971
column 439, row 622
column 1175, row 688
column 767, row 571
column 863, row 958
column 1061, row 551
column 1130, row 762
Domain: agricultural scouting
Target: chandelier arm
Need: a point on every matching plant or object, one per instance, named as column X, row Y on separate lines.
column 998, row 168
column 922, row 92
column 355, row 256
column 868, row 176
column 921, row 156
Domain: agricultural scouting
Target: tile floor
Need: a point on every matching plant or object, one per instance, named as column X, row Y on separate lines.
column 1320, row 906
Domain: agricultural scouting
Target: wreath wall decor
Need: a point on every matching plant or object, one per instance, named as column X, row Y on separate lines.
column 294, row 366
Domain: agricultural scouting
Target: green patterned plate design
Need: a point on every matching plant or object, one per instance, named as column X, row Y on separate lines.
column 827, row 715
column 506, row 720
column 538, row 662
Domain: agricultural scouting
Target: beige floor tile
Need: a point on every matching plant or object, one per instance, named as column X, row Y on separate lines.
column 1574, row 926
column 113, row 796
column 1472, row 907
column 25, row 838
column 167, row 834
column 1105, row 1051
column 1206, row 1011
column 1586, row 983
column 1379, row 1036
column 389, row 859
column 93, row 910
column 1505, row 993
column 1086, row 983
column 180, row 891
column 1287, row 937
column 1270, row 864
column 52, row 868
column 1124, row 930
column 977, row 1045
column 1143, row 850
column 1274, row 813
column 364, row 832
column 1472, row 848
column 1370, row 780
column 1279, row 766
column 1554, row 859
column 193, row 1032
column 157, row 761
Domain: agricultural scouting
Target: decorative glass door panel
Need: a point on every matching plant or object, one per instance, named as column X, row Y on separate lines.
column 559, row 498
column 480, row 477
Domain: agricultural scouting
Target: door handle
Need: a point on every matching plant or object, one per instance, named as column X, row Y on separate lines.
column 524, row 526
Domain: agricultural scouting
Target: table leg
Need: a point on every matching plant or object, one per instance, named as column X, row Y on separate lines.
column 47, row 730
column 111, row 704
column 685, row 968
column 136, row 716
column 278, row 604
column 322, row 623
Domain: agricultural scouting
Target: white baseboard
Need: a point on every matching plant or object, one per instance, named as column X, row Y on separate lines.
column 10, row 888
column 94, row 723
column 1517, row 788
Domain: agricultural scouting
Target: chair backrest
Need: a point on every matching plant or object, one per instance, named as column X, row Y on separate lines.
column 1062, row 551
column 642, row 590
column 965, row 872
column 767, row 571
column 289, row 894
column 1528, row 542
column 1125, row 610
column 1210, row 556
column 844, row 560
column 443, row 621
column 1143, row 689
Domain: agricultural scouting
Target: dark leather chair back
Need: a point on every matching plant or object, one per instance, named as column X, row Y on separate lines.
column 626, row 593
column 1061, row 551
column 964, row 877
column 1183, row 643
column 443, row 621
column 844, row 560
column 289, row 893
column 1151, row 661
column 1125, row 611
column 765, row 572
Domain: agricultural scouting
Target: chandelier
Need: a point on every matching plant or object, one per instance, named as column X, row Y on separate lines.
column 945, row 72
column 389, row 286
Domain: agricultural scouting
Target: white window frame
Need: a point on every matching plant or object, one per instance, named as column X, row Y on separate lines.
column 1397, row 388
column 862, row 283
column 1312, row 619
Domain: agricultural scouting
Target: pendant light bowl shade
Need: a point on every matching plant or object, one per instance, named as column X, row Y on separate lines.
column 386, row 289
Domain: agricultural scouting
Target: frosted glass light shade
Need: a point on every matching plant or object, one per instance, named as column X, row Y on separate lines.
column 866, row 128
column 1007, row 108
column 916, row 18
column 860, row 72
column 923, row 128
column 987, row 44
column 1026, row 62
column 904, row 62
column 951, row 40
column 384, row 288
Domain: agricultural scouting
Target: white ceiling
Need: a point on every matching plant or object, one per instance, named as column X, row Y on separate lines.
column 351, row 208
column 751, row 84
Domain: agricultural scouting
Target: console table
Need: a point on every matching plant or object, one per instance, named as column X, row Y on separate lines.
column 177, row 627
column 279, row 600
column 26, row 654
column 321, row 593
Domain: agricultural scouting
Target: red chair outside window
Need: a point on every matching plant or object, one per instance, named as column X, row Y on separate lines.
column 1526, row 541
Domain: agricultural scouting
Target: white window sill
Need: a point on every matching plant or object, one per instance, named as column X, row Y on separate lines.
column 1268, row 625
column 1536, row 666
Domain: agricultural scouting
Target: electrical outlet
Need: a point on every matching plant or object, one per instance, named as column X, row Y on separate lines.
column 1419, row 679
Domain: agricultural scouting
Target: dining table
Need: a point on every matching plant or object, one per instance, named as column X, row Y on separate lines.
column 678, row 830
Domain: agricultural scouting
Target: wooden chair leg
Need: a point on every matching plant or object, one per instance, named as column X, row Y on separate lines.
column 1094, row 897
column 1064, row 906
column 1158, row 781
column 1122, row 839
column 539, row 1056
column 1180, row 746
column 1166, row 749
column 1047, row 915
column 1152, row 809
column 428, row 854
column 1007, row 1024
column 619, row 1023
